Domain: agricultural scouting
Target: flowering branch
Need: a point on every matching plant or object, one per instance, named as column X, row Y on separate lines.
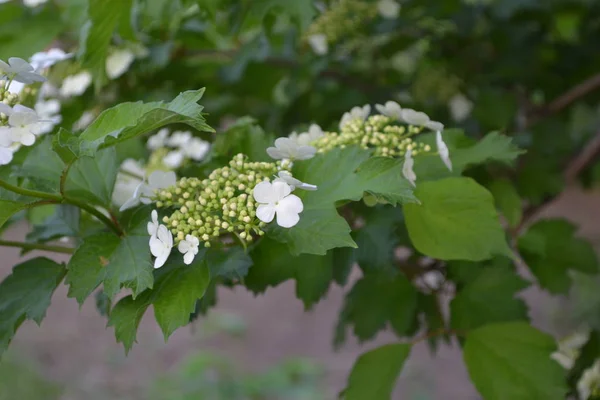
column 36, row 246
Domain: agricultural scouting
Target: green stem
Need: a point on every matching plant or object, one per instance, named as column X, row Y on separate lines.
column 63, row 199
column 36, row 246
column 30, row 193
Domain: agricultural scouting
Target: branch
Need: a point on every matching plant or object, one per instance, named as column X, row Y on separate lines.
column 565, row 99
column 583, row 159
column 36, row 246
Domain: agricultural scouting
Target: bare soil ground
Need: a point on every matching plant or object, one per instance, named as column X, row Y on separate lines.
column 74, row 348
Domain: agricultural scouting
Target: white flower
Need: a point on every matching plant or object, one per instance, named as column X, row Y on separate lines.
column 355, row 113
column 196, row 149
column 49, row 113
column 290, row 149
column 390, row 109
column 569, row 349
column 127, row 181
column 173, row 159
column 419, row 118
column 161, row 245
column 443, row 150
column 318, row 43
column 189, row 248
column 154, row 224
column 84, row 121
column 16, row 87
column 460, row 107
column 46, row 59
column 286, row 177
column 145, row 191
column 6, row 154
column 275, row 200
column 179, row 139
column 76, row 85
column 589, row 384
column 48, row 90
column 23, row 125
column 388, row 8
column 118, row 63
column 158, row 140
column 33, row 3
column 306, row 138
column 20, row 71
column 407, row 168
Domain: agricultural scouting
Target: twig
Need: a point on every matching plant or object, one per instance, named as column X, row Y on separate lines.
column 583, row 159
column 565, row 99
column 36, row 246
column 437, row 332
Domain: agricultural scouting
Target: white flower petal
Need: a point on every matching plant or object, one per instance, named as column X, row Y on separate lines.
column 279, row 191
column 184, row 246
column 188, row 257
column 265, row 212
column 263, row 193
column 118, row 63
column 174, row 159
column 162, row 179
column 318, row 43
column 407, row 168
column 443, row 150
column 291, row 204
column 434, row 125
column 161, row 260
column 413, row 117
column 6, row 155
column 287, row 220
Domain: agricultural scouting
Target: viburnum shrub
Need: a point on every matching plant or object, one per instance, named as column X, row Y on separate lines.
column 107, row 154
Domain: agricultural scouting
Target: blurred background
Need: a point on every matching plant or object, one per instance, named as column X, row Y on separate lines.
column 528, row 68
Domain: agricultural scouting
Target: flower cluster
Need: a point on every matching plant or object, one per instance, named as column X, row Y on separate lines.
column 222, row 203
column 344, row 19
column 172, row 150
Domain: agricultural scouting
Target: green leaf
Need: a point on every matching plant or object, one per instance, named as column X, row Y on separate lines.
column 512, row 361
column 8, row 208
column 128, row 120
column 456, row 220
column 318, row 231
column 87, row 266
column 231, row 263
column 126, row 316
column 273, row 264
column 93, row 178
column 303, row 11
column 64, row 222
column 341, row 174
column 243, row 136
column 43, row 167
column 375, row 300
column 175, row 296
column 507, row 200
column 584, row 299
column 25, row 294
column 489, row 298
column 550, row 249
column 375, row 372
column 464, row 153
column 129, row 266
column 97, row 33
column 377, row 239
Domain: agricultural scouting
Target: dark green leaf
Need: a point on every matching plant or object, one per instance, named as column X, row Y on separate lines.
column 550, row 249
column 25, row 294
column 92, row 179
column 129, row 266
column 246, row 137
column 512, row 361
column 375, row 372
column 64, row 222
column 231, row 263
column 507, row 200
column 456, row 220
column 126, row 316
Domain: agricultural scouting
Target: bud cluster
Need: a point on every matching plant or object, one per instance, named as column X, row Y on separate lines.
column 220, row 204
column 343, row 20
column 378, row 132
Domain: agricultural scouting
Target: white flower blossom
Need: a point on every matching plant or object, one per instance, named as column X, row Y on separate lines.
column 20, row 71
column 6, row 154
column 275, row 200
column 76, row 85
column 127, row 181
column 23, row 125
column 306, row 138
column 388, row 8
column 118, row 62
column 179, row 139
column 174, row 159
column 49, row 114
column 34, row 3
column 390, row 109
column 443, row 150
column 318, row 43
column 46, row 59
column 153, row 224
column 419, row 118
column 460, row 107
column 161, row 245
column 84, row 121
column 286, row 148
column 589, row 384
column 145, row 191
column 407, row 168
column 286, row 177
column 355, row 113
column 189, row 248
column 569, row 349
column 196, row 149
column 158, row 140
